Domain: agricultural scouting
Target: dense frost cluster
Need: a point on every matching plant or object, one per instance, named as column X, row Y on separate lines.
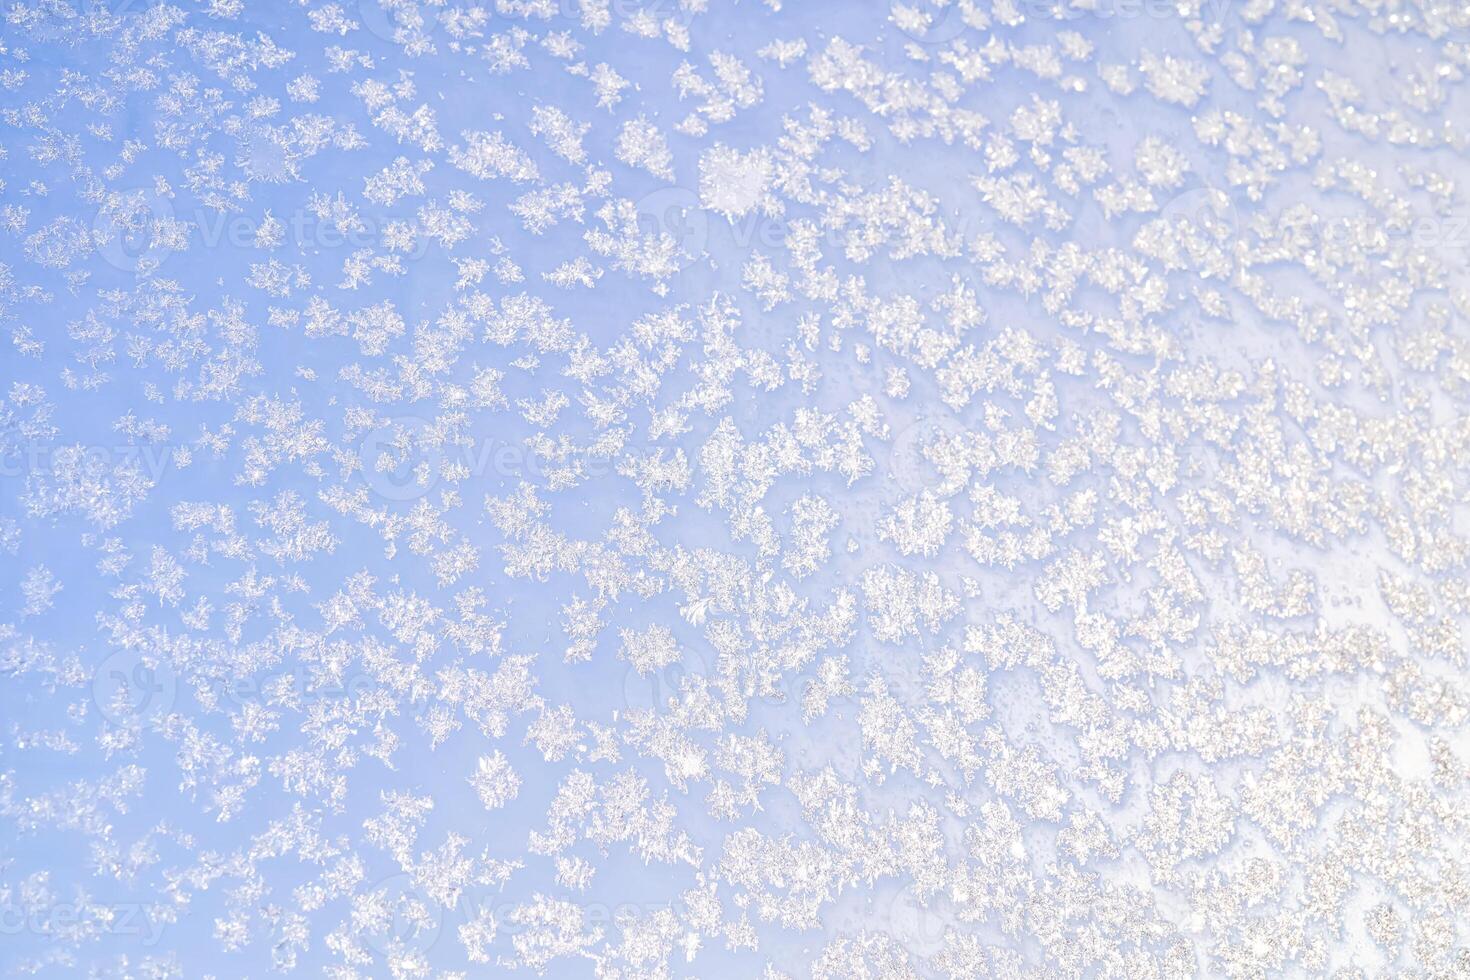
column 686, row 488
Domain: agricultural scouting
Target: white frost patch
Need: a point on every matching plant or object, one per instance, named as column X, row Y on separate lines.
column 731, row 182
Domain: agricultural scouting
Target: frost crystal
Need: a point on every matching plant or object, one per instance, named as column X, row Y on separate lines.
column 945, row 489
